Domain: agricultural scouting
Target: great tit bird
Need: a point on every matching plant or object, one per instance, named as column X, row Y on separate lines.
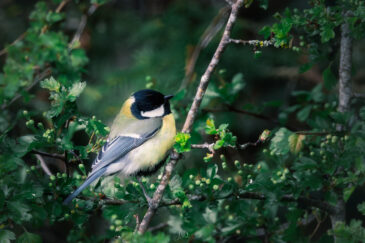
column 140, row 137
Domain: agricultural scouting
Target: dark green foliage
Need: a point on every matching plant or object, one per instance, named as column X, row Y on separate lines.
column 215, row 196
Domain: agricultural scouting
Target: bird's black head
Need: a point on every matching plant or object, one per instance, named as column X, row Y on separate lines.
column 150, row 103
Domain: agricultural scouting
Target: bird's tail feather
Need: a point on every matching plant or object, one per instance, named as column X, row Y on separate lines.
column 88, row 181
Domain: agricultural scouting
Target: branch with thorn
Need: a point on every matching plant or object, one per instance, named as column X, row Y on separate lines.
column 254, row 43
column 210, row 146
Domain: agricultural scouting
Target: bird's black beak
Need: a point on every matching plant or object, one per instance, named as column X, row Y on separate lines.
column 167, row 97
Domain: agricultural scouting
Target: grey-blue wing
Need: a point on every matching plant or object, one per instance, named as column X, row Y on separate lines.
column 114, row 150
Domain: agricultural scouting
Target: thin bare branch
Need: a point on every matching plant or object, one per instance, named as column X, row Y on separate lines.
column 157, row 227
column 22, row 36
column 255, row 43
column 51, row 155
column 211, row 31
column 82, row 24
column 208, row 146
column 106, row 201
column 43, row 165
column 37, row 79
column 62, row 5
column 137, row 222
column 191, row 116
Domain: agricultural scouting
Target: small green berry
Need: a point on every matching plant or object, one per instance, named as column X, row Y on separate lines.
column 29, row 123
column 152, row 186
column 215, row 187
column 52, row 178
column 118, row 222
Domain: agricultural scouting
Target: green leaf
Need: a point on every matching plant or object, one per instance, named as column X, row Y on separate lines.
column 305, row 67
column 361, row 208
column 29, row 238
column 264, row 4
column 182, row 142
column 51, row 84
column 212, row 170
column 329, row 78
column 76, row 90
column 349, row 233
column 327, row 33
column 210, row 127
column 362, row 112
column 296, row 142
column 218, row 144
column 347, row 192
column 210, row 216
column 206, row 233
column 175, row 225
column 280, row 142
column 6, row 236
column 78, row 58
column 19, row 211
column 305, row 163
column 303, row 114
column 265, row 31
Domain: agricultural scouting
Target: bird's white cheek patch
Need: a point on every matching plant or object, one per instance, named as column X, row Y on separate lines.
column 158, row 112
